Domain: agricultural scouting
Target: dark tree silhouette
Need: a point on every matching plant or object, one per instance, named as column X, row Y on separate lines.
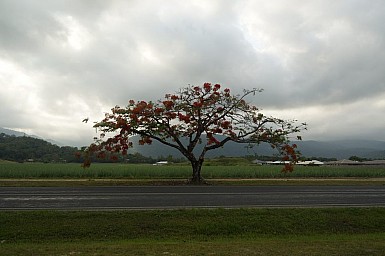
column 206, row 115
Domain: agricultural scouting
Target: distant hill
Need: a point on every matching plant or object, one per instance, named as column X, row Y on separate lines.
column 24, row 148
column 342, row 149
column 19, row 134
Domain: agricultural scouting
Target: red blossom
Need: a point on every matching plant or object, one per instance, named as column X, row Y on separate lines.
column 171, row 115
column 225, row 124
column 147, row 140
column 168, row 104
column 86, row 163
column 185, row 118
column 288, row 168
column 114, row 158
column 101, row 155
column 220, row 109
column 207, row 87
column 218, row 130
column 211, row 139
column 158, row 111
column 197, row 104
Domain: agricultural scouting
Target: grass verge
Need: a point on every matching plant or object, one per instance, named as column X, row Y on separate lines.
column 316, row 245
column 180, row 182
column 323, row 231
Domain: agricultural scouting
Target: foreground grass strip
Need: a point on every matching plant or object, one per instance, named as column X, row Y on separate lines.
column 193, row 224
column 299, row 245
column 324, row 231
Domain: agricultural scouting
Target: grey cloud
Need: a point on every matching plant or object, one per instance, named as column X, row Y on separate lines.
column 335, row 55
column 304, row 54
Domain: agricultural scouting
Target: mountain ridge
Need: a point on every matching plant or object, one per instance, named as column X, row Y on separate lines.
column 20, row 134
column 340, row 149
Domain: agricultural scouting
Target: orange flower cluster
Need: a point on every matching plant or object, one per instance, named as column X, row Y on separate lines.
column 197, row 104
column 211, row 139
column 145, row 140
column 184, row 118
column 226, row 124
column 168, row 104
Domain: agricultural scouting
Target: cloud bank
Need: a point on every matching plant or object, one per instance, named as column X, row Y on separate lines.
column 321, row 62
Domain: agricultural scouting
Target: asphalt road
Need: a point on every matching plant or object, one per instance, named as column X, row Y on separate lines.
column 166, row 197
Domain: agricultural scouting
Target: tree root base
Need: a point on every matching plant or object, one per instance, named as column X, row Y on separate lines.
column 200, row 181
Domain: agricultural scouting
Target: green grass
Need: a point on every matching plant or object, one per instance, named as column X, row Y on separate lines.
column 331, row 231
column 137, row 171
column 358, row 245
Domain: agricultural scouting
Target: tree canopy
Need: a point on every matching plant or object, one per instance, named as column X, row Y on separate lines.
column 207, row 115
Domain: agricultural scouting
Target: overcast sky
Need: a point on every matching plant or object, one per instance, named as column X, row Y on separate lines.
column 321, row 62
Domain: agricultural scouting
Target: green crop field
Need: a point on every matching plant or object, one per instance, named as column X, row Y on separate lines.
column 147, row 171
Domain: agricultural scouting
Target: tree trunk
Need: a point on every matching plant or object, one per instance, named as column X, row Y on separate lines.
column 196, row 172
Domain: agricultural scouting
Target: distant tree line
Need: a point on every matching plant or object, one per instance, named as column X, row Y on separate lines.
column 359, row 159
column 24, row 148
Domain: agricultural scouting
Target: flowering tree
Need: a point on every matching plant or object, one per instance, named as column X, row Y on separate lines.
column 195, row 115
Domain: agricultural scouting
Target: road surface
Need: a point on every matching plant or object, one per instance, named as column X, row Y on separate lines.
column 170, row 197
